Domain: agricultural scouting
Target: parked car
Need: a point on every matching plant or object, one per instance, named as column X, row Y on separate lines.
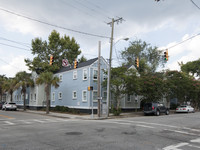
column 155, row 108
column 185, row 108
column 9, row 106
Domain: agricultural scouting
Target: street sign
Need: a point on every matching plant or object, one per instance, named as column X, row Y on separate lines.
column 65, row 63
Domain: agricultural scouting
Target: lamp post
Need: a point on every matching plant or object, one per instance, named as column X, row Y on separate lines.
column 109, row 71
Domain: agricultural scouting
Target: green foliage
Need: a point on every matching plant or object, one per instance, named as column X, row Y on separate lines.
column 60, row 47
column 115, row 111
column 150, row 58
column 192, row 67
column 65, row 109
column 82, row 59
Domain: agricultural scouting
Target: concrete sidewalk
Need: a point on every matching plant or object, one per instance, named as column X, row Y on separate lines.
column 84, row 116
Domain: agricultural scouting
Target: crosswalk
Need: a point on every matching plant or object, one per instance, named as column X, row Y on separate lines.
column 13, row 122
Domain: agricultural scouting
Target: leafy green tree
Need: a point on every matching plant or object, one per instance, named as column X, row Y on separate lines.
column 151, row 87
column 48, row 79
column 3, row 78
column 179, row 85
column 24, row 81
column 192, row 67
column 150, row 58
column 9, row 86
column 82, row 59
column 60, row 47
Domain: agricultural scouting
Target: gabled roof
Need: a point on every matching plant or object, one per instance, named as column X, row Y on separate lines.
column 80, row 65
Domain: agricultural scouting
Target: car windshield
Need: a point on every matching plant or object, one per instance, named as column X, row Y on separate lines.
column 183, row 106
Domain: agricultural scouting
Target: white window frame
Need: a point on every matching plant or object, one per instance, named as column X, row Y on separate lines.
column 75, row 76
column 60, row 77
column 85, row 71
column 74, row 97
column 53, row 96
column 31, row 97
column 94, row 91
column 60, row 95
column 95, row 70
column 83, row 98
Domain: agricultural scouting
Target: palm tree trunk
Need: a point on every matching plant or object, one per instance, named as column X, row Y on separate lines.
column 24, row 100
column 47, row 98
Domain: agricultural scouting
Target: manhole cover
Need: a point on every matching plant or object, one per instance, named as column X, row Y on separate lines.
column 73, row 133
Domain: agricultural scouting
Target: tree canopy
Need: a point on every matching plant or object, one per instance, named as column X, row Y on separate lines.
column 60, row 47
column 150, row 58
column 192, row 67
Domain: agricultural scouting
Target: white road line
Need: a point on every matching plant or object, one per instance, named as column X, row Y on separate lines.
column 24, row 121
column 40, row 121
column 50, row 120
column 194, row 146
column 182, row 132
column 60, row 119
column 175, row 146
column 8, row 122
column 164, row 125
column 195, row 140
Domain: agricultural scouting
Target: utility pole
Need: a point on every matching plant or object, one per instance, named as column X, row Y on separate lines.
column 110, row 60
column 98, row 88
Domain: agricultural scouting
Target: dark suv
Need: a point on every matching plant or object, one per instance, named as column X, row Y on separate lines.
column 155, row 108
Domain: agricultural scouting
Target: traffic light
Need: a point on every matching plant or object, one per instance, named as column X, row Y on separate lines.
column 90, row 88
column 51, row 60
column 75, row 64
column 137, row 62
column 166, row 56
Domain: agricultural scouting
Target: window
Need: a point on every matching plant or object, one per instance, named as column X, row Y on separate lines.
column 26, row 96
column 104, row 95
column 94, row 96
column 35, row 96
column 31, row 97
column 84, row 96
column 84, row 74
column 75, row 75
column 53, row 96
column 74, row 95
column 128, row 98
column 60, row 95
column 95, row 74
column 60, row 77
column 104, row 76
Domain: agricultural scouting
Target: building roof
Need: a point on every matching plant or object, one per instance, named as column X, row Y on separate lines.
column 80, row 65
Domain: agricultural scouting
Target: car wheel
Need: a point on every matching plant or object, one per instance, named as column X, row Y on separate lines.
column 157, row 113
column 167, row 112
column 6, row 109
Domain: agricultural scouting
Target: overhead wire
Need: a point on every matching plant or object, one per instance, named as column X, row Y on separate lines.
column 20, row 43
column 195, row 4
column 15, row 47
column 53, row 25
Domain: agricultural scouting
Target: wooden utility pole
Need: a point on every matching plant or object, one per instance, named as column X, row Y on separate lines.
column 110, row 60
column 98, row 88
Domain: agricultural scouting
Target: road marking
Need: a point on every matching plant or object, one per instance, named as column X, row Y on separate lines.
column 25, row 121
column 8, row 122
column 40, row 121
column 182, row 132
column 195, row 140
column 193, row 146
column 6, row 116
column 175, row 146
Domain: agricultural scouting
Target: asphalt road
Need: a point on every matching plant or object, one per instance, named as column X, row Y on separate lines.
column 26, row 131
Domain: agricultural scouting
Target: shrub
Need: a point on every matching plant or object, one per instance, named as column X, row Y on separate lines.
column 115, row 111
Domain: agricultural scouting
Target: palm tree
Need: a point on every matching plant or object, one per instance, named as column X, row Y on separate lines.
column 48, row 79
column 9, row 86
column 24, row 81
column 2, row 81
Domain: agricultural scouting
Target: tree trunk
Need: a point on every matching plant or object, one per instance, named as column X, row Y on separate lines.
column 47, row 98
column 24, row 100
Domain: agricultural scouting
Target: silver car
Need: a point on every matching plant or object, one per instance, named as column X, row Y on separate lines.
column 185, row 108
column 9, row 106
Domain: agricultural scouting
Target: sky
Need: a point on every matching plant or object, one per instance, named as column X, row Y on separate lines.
column 163, row 24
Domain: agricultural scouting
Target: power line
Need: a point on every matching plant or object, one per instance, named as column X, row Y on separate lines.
column 53, row 25
column 183, row 41
column 20, row 43
column 15, row 47
column 195, row 4
column 9, row 64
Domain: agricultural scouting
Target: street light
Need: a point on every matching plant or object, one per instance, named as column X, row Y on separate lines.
column 109, row 71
